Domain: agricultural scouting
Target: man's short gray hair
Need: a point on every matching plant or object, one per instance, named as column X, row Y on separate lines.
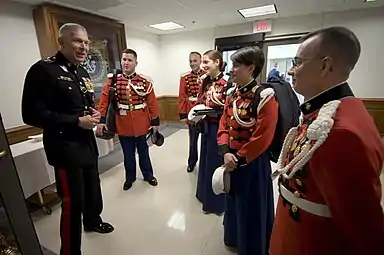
column 68, row 28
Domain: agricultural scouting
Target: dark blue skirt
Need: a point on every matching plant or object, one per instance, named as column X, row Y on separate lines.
column 210, row 159
column 249, row 213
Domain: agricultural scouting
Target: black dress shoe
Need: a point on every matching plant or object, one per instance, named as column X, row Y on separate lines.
column 102, row 228
column 127, row 185
column 152, row 181
column 190, row 169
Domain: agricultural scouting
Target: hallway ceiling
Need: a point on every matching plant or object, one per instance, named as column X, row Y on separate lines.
column 200, row 14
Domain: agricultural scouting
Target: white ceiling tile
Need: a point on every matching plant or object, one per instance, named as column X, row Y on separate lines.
column 138, row 14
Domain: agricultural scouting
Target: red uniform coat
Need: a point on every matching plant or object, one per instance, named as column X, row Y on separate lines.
column 137, row 107
column 249, row 142
column 189, row 89
column 342, row 174
column 213, row 92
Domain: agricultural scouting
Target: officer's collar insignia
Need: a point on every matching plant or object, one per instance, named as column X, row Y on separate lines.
column 248, row 87
column 72, row 66
column 337, row 92
column 65, row 62
column 65, row 69
column 130, row 76
column 218, row 77
column 65, row 78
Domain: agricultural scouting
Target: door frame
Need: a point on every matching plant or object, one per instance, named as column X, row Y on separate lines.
column 14, row 202
column 236, row 42
column 277, row 40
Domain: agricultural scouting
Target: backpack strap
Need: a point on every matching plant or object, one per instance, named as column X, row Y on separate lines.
column 112, row 90
column 263, row 93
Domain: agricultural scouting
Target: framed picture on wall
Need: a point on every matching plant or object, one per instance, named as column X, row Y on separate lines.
column 107, row 38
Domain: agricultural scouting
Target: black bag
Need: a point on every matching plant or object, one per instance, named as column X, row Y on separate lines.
column 288, row 116
column 110, row 118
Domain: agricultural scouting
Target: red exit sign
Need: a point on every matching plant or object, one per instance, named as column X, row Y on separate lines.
column 262, row 26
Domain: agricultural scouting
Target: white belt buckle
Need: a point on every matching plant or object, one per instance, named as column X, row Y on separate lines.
column 134, row 107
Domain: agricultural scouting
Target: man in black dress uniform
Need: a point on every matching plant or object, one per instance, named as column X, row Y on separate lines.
column 58, row 97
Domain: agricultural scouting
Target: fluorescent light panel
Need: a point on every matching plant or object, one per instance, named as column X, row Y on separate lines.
column 258, row 11
column 166, row 26
column 369, row 1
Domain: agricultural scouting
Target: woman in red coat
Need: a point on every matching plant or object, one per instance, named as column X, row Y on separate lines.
column 212, row 94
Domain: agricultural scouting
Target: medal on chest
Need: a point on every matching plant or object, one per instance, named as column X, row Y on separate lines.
column 240, row 110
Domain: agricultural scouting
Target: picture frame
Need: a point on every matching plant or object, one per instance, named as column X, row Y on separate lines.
column 107, row 36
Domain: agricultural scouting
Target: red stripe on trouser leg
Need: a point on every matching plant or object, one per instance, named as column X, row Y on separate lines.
column 66, row 223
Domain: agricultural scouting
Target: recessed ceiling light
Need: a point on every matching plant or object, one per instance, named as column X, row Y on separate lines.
column 258, row 11
column 369, row 1
column 166, row 26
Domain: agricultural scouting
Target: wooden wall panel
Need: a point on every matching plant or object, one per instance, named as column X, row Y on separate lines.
column 21, row 133
column 168, row 109
column 375, row 107
column 169, row 113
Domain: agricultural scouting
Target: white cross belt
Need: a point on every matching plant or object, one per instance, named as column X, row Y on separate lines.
column 308, row 206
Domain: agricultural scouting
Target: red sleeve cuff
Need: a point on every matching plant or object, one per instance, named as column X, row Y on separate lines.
column 183, row 116
column 241, row 161
column 155, row 121
column 223, row 149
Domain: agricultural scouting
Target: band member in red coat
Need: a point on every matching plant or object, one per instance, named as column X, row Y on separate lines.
column 246, row 131
column 190, row 83
column 137, row 111
column 212, row 94
column 330, row 165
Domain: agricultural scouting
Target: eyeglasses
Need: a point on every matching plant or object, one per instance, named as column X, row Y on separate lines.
column 298, row 61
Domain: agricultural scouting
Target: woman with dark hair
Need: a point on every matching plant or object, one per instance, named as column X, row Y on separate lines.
column 212, row 95
column 246, row 131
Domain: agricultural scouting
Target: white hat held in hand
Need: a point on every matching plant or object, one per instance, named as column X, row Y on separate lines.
column 221, row 181
column 192, row 115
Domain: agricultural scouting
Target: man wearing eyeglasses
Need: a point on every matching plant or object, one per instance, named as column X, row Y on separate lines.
column 330, row 165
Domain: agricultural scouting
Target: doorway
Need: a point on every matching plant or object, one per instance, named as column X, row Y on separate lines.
column 229, row 45
column 279, row 59
column 227, row 58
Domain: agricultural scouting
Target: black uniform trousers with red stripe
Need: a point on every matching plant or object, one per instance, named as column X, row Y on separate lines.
column 79, row 189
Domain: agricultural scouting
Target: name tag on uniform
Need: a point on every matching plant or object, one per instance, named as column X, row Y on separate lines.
column 123, row 112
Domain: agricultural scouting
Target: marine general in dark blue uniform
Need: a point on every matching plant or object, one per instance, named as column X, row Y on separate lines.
column 58, row 97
